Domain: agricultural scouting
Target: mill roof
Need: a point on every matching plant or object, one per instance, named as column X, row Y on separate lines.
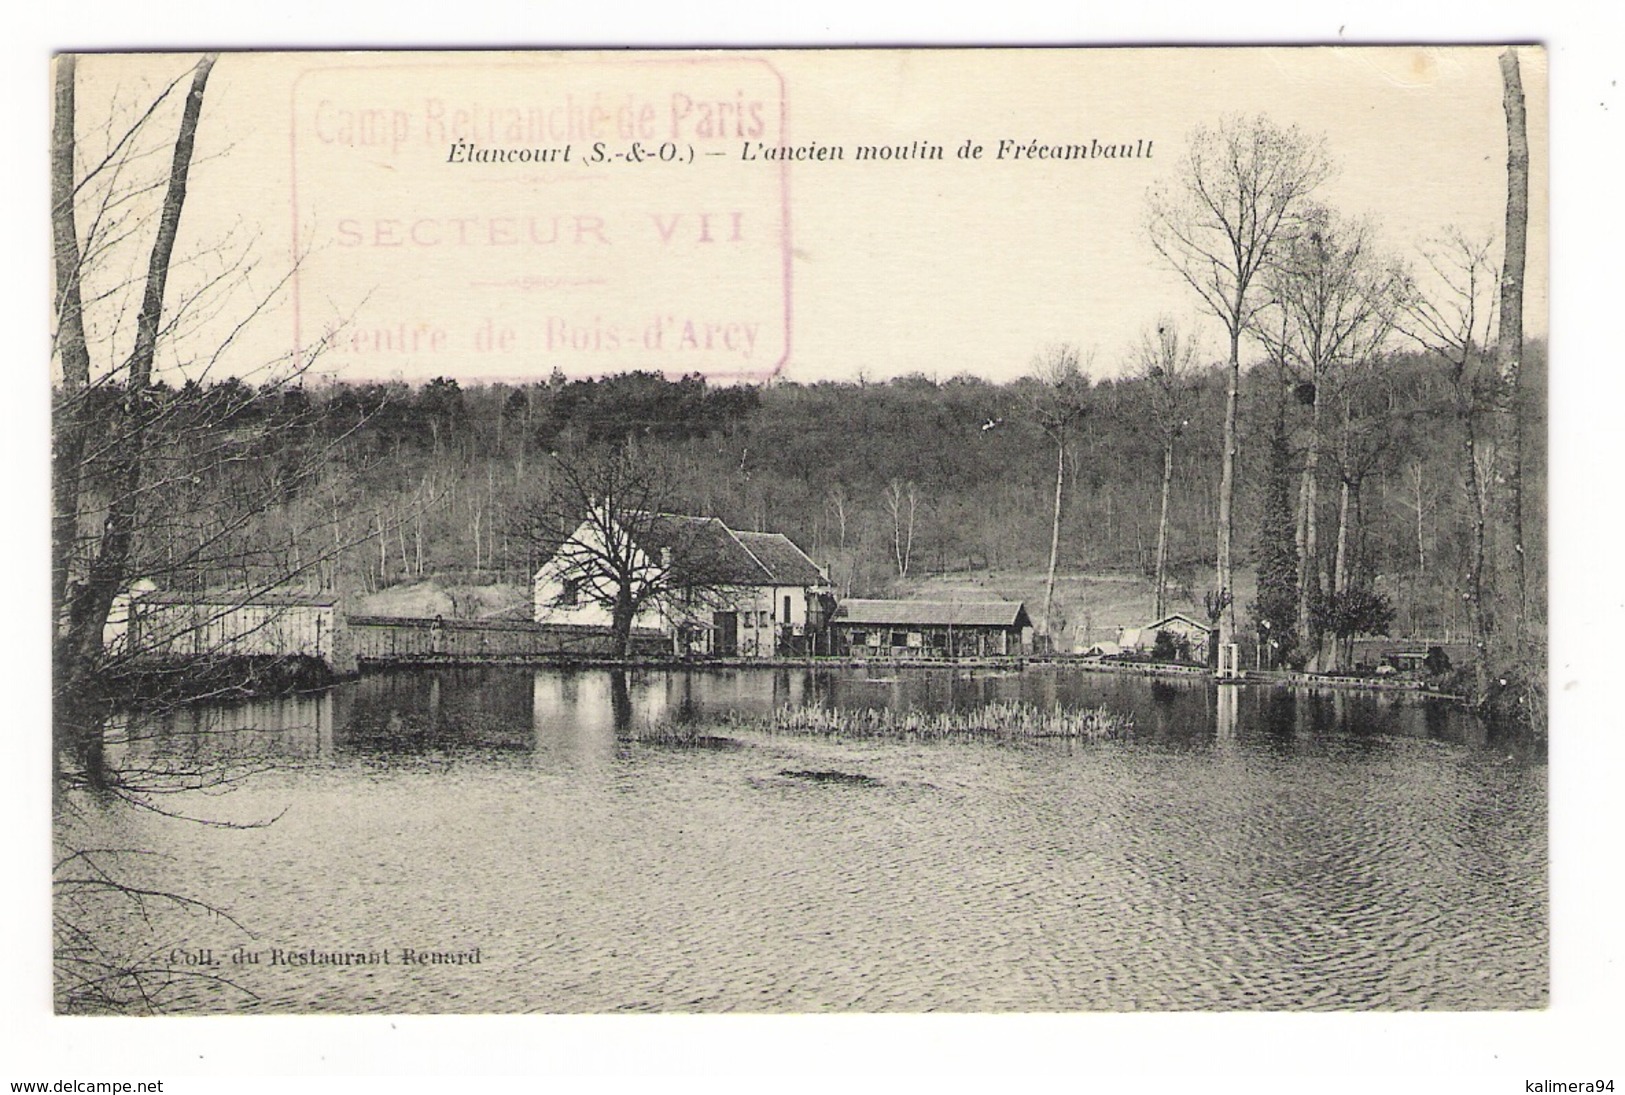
column 704, row 549
column 707, row 552
column 779, row 556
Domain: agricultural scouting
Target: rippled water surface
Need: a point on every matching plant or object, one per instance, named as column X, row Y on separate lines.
column 1247, row 848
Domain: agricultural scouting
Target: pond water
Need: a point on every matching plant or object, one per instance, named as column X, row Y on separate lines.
column 498, row 839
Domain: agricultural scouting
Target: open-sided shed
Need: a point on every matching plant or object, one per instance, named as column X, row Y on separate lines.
column 932, row 629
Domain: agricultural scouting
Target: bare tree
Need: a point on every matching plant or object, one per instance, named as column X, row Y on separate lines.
column 1165, row 361
column 88, row 599
column 837, row 504
column 902, row 502
column 608, row 533
column 1333, row 300
column 1238, row 194
column 1059, row 402
column 1509, row 341
column 1454, row 323
column 206, row 484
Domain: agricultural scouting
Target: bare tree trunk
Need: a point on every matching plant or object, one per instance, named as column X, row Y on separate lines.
column 902, row 535
column 1510, row 340
column 90, row 601
column 1477, row 623
column 908, row 538
column 1227, row 484
column 69, row 434
column 894, row 502
column 1421, row 541
column 1055, row 533
column 1299, row 531
column 491, row 524
column 1309, row 570
column 621, row 620
column 1340, row 575
column 1162, row 531
column 1340, row 563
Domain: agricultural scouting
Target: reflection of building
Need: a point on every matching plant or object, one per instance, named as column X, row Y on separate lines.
column 710, row 590
column 1188, row 637
column 284, row 727
column 932, row 629
column 1410, row 655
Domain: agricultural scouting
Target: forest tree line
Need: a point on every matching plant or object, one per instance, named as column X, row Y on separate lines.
column 379, row 484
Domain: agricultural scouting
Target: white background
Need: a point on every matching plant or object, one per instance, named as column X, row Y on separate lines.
column 1574, row 1040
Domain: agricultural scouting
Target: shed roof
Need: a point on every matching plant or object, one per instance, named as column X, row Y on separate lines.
column 239, row 599
column 935, row 613
column 1177, row 617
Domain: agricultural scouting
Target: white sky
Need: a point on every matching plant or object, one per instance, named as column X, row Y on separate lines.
column 896, row 267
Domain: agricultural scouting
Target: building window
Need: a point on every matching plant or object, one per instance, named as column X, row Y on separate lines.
column 899, row 638
column 764, row 618
column 786, row 608
column 572, row 592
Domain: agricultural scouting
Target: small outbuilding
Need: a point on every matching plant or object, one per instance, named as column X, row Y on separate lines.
column 1188, row 637
column 932, row 629
column 168, row 626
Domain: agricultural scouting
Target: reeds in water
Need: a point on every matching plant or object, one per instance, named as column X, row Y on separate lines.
column 684, row 734
column 1005, row 720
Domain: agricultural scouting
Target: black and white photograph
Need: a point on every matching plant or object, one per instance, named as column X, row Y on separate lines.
column 799, row 531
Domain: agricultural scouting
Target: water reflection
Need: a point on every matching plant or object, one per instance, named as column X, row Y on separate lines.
column 1248, row 848
column 287, row 728
column 574, row 717
column 456, row 710
column 1225, row 713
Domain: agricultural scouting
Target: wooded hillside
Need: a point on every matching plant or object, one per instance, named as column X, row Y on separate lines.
column 883, row 483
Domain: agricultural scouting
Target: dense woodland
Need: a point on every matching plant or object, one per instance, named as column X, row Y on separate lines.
column 375, row 485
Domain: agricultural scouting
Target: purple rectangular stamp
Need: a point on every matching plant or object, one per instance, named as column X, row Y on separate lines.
column 507, row 216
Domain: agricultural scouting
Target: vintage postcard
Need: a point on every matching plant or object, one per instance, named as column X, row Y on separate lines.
column 1041, row 530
